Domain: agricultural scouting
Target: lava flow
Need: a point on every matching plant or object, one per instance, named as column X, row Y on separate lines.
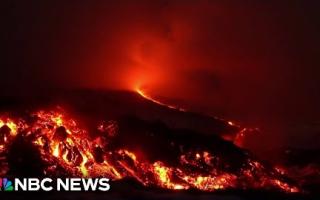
column 68, row 150
column 239, row 137
column 144, row 95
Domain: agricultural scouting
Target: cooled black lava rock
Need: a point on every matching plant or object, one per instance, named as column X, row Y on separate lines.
column 24, row 158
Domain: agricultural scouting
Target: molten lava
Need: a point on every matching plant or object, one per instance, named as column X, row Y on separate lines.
column 238, row 139
column 66, row 149
column 144, row 95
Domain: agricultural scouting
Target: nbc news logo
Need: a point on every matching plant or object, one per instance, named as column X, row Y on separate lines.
column 48, row 184
column 5, row 184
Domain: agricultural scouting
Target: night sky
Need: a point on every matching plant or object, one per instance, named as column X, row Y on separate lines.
column 256, row 63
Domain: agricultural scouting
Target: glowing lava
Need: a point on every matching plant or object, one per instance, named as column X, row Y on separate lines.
column 67, row 149
column 144, row 95
column 238, row 139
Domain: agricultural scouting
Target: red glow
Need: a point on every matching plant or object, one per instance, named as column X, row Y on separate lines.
column 63, row 144
column 139, row 91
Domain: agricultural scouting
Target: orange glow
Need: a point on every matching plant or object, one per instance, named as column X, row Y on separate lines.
column 163, row 174
column 139, row 91
column 56, row 151
column 61, row 141
column 12, row 125
column 237, row 140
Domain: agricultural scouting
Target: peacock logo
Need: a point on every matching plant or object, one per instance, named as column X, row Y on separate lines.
column 5, row 184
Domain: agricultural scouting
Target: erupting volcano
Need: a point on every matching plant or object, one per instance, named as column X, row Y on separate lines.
column 166, row 99
column 149, row 152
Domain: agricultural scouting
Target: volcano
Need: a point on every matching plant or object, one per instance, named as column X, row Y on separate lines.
column 132, row 140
